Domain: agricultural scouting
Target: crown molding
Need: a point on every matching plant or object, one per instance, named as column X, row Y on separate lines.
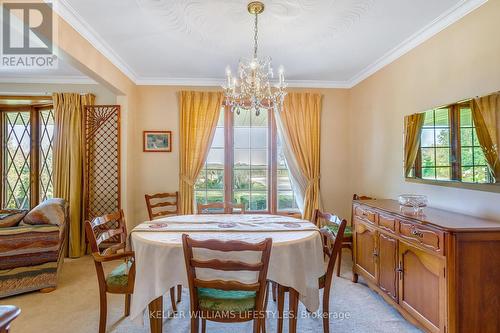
column 70, row 15
column 451, row 16
column 213, row 82
column 166, row 81
column 318, row 84
column 47, row 79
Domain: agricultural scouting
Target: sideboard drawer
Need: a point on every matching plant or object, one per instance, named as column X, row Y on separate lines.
column 365, row 214
column 428, row 238
column 387, row 223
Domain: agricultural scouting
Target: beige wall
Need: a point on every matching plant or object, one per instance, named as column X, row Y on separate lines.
column 460, row 62
column 157, row 172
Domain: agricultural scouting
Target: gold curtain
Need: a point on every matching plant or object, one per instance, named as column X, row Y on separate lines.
column 485, row 113
column 300, row 121
column 199, row 115
column 413, row 131
column 68, row 162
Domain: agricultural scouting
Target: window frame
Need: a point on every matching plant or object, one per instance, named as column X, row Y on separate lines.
column 44, row 103
column 455, row 147
column 435, row 147
column 272, row 170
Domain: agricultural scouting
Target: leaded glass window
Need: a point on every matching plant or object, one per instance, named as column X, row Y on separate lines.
column 16, row 161
column 27, row 148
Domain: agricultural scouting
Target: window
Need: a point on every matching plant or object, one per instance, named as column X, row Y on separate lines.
column 474, row 168
column 209, row 186
column 245, row 155
column 286, row 196
column 435, row 145
column 449, row 148
column 27, row 135
column 251, row 163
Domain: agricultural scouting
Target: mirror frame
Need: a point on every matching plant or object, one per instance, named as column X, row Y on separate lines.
column 454, row 147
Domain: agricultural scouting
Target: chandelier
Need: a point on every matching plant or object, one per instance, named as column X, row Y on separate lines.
column 251, row 88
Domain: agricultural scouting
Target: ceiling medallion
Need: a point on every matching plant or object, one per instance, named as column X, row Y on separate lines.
column 252, row 89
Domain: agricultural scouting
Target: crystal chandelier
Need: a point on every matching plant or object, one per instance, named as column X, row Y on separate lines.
column 252, row 89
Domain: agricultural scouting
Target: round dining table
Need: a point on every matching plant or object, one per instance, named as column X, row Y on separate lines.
column 296, row 256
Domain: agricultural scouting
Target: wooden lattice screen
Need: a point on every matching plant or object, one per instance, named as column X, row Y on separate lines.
column 102, row 160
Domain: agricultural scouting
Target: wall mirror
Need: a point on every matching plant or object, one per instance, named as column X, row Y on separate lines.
column 455, row 144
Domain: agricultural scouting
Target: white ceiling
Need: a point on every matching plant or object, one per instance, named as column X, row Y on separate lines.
column 325, row 43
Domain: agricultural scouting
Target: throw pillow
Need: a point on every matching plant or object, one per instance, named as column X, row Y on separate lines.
column 51, row 211
column 11, row 218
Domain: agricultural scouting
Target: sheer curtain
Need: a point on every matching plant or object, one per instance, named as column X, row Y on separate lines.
column 68, row 162
column 299, row 127
column 199, row 113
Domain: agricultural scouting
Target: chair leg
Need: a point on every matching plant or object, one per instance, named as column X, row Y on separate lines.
column 354, row 275
column 274, row 287
column 179, row 293
column 156, row 315
column 127, row 304
column 281, row 305
column 194, row 324
column 172, row 299
column 326, row 310
column 256, row 326
column 103, row 312
column 263, row 320
column 293, row 297
column 340, row 262
column 203, row 325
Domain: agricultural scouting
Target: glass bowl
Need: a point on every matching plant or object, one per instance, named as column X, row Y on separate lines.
column 415, row 201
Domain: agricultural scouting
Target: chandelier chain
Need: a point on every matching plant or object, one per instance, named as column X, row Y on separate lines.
column 256, row 35
column 251, row 88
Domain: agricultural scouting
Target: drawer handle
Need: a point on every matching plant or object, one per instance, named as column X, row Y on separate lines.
column 399, row 270
column 417, row 233
column 375, row 254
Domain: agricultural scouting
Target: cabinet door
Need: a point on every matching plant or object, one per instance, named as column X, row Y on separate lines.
column 365, row 250
column 422, row 286
column 388, row 264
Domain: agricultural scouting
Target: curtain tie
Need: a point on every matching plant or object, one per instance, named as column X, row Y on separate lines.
column 313, row 181
column 187, row 180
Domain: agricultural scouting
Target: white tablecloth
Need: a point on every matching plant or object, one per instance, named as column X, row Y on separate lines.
column 296, row 256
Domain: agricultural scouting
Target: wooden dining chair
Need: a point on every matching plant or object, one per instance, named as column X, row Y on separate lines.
column 7, row 314
column 121, row 279
column 227, row 301
column 347, row 241
column 220, row 208
column 325, row 282
column 162, row 205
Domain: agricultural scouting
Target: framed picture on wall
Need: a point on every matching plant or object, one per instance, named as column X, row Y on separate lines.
column 157, row 141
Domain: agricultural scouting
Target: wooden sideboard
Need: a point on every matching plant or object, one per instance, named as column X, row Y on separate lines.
column 440, row 270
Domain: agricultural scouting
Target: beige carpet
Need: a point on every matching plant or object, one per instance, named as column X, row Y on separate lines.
column 74, row 308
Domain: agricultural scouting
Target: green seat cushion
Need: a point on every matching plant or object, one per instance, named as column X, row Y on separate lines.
column 119, row 276
column 321, row 280
column 226, row 300
column 334, row 228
